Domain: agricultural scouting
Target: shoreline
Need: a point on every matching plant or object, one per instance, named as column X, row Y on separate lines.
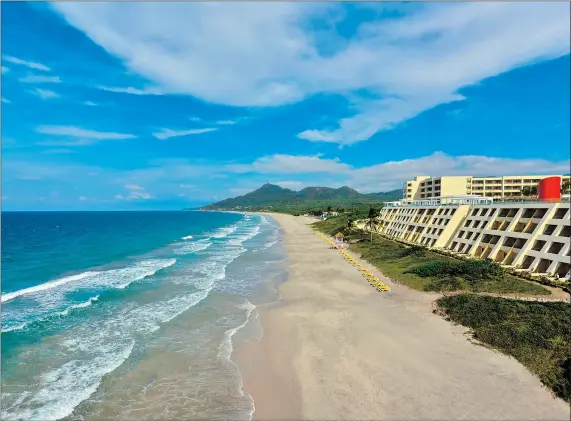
column 334, row 348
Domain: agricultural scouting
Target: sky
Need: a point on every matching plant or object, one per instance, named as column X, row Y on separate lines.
column 139, row 105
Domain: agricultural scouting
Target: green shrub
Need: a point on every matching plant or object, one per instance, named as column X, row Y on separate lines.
column 416, row 251
column 446, row 284
column 468, row 269
column 537, row 334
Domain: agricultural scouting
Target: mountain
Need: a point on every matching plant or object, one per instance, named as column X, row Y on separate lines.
column 272, row 196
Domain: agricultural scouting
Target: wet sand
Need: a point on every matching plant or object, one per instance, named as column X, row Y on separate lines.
column 335, row 348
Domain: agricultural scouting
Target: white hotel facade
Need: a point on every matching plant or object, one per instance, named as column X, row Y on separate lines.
column 527, row 236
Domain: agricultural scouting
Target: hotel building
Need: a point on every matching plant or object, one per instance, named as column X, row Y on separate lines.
column 423, row 187
column 531, row 236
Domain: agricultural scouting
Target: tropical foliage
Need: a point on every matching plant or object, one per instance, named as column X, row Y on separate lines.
column 536, row 334
column 529, row 191
column 372, row 221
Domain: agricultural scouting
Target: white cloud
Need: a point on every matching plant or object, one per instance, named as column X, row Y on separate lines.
column 90, row 103
column 40, row 79
column 31, row 64
column 78, row 132
column 139, row 195
column 6, row 100
column 293, row 185
column 134, row 192
column 194, row 118
column 134, row 196
column 45, row 93
column 5, row 69
column 168, row 133
column 391, row 69
column 132, row 91
column 390, row 175
column 290, row 164
column 226, row 122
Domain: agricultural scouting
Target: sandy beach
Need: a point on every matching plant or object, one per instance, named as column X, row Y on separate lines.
column 335, row 348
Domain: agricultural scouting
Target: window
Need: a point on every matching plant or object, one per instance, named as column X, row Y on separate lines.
column 476, row 224
column 555, row 248
column 538, row 245
column 560, row 213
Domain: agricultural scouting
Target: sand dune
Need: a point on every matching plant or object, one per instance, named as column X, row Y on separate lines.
column 337, row 349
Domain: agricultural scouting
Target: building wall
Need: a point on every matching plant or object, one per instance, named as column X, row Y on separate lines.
column 496, row 187
column 411, row 189
column 531, row 236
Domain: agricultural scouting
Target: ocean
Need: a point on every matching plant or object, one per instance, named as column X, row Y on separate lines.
column 132, row 315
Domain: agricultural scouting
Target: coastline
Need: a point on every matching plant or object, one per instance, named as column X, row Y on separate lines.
column 334, row 348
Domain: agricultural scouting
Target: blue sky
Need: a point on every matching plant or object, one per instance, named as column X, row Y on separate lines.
column 160, row 106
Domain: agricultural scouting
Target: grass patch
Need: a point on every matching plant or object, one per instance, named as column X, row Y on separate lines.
column 423, row 270
column 537, row 334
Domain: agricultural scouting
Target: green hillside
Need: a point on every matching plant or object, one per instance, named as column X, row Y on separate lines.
column 276, row 198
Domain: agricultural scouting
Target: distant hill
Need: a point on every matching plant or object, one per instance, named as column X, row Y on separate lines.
column 272, row 196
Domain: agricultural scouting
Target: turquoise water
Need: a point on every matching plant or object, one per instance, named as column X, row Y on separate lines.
column 130, row 315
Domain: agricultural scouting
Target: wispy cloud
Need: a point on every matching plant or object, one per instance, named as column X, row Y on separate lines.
column 390, row 70
column 45, row 93
column 135, row 192
column 40, row 79
column 290, row 164
column 131, row 90
column 31, row 64
column 5, row 69
column 77, row 136
column 168, row 133
column 390, row 175
column 90, row 103
column 195, row 119
column 226, row 122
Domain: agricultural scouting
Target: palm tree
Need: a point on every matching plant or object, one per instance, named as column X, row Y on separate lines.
column 565, row 187
column 529, row 191
column 372, row 221
column 350, row 224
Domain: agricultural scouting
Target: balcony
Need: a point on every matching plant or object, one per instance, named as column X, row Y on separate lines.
column 538, row 245
column 555, row 248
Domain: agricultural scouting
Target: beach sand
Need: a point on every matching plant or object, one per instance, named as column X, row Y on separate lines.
column 337, row 349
